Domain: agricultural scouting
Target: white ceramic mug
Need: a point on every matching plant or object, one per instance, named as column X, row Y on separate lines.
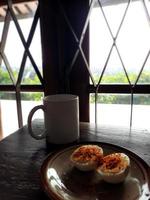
column 61, row 119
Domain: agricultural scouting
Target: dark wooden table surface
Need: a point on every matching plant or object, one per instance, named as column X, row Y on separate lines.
column 21, row 157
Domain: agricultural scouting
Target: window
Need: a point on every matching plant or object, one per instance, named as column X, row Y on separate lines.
column 101, row 41
column 21, row 74
column 95, row 49
column 119, row 62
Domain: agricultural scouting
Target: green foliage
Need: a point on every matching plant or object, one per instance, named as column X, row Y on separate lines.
column 32, row 96
column 107, row 78
column 141, row 99
column 122, row 99
column 115, row 78
column 120, row 77
column 111, row 99
column 5, row 79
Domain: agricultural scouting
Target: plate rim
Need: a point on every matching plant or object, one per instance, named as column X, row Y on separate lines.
column 51, row 194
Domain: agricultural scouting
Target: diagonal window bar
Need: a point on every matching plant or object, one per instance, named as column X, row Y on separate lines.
column 5, row 32
column 68, row 22
column 79, row 41
column 113, row 45
column 24, row 42
column 86, row 64
column 104, row 68
column 114, row 42
column 86, row 22
column 29, row 40
column 2, row 46
column 141, row 69
column 10, row 15
column 147, row 56
column 146, row 11
column 123, row 66
column 8, row 68
column 18, row 95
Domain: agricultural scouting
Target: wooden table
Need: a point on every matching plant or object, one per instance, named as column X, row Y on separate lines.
column 21, row 157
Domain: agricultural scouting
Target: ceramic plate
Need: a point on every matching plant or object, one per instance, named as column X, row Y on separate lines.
column 62, row 181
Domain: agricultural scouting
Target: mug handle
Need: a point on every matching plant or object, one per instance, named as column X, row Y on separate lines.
column 42, row 135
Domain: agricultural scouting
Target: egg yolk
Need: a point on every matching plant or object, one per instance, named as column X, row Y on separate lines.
column 87, row 153
column 114, row 163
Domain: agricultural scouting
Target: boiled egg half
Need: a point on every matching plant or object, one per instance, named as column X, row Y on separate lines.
column 87, row 157
column 115, row 168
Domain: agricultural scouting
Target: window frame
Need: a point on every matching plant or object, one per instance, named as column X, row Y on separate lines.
column 56, row 54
